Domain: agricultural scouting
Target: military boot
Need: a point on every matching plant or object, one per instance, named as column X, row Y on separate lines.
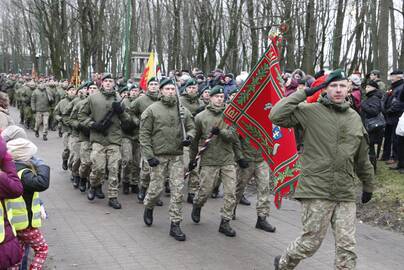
column 134, row 189
column 83, row 184
column 175, row 231
column 98, row 192
column 167, row 186
column 64, row 165
column 226, row 229
column 276, row 262
column 60, row 133
column 190, row 198
column 141, row 194
column 36, row 133
column 264, row 225
column 215, row 193
column 159, row 202
column 148, row 216
column 196, row 213
column 91, row 193
column 44, row 137
column 125, row 187
column 113, row 202
column 76, row 181
column 244, row 201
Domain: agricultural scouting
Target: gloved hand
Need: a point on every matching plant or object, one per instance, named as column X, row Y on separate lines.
column 366, row 196
column 187, row 141
column 311, row 91
column 192, row 165
column 117, row 107
column 97, row 126
column 153, row 162
column 215, row 131
column 242, row 163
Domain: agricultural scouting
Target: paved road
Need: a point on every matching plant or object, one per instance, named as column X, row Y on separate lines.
column 90, row 235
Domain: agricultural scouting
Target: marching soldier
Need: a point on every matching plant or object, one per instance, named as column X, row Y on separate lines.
column 26, row 100
column 217, row 162
column 162, row 145
column 41, row 101
column 103, row 114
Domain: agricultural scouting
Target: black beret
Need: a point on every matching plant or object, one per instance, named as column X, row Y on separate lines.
column 397, row 72
column 218, row 89
column 319, row 74
column 166, row 81
column 152, row 79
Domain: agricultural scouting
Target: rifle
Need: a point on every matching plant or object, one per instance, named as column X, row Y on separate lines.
column 106, row 121
column 181, row 112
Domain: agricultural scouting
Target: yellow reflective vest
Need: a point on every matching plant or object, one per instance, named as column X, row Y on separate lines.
column 2, row 228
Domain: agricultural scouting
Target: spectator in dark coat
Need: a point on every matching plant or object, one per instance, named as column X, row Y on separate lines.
column 10, row 188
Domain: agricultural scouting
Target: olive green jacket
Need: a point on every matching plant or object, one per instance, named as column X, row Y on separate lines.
column 79, row 130
column 61, row 114
column 335, row 147
column 40, row 100
column 160, row 130
column 141, row 103
column 191, row 103
column 221, row 149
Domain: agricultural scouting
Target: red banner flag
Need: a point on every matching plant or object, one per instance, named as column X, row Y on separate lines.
column 249, row 114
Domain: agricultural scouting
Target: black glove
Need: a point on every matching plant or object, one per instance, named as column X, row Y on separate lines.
column 311, row 91
column 187, row 141
column 97, row 126
column 117, row 107
column 242, row 163
column 153, row 162
column 192, row 165
column 366, row 196
column 215, row 131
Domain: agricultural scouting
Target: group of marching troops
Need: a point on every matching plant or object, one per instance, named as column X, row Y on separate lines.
column 145, row 141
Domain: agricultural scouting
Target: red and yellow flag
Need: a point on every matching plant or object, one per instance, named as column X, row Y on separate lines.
column 149, row 71
column 249, row 114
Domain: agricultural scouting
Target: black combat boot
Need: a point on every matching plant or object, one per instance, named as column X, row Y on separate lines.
column 159, row 202
column 98, row 192
column 113, row 202
column 175, row 231
column 226, row 229
column 36, row 133
column 60, row 133
column 134, row 189
column 83, row 184
column 244, row 201
column 64, row 165
column 91, row 193
column 76, row 181
column 264, row 225
column 196, row 213
column 141, row 194
column 167, row 186
column 44, row 137
column 215, row 193
column 276, row 262
column 125, row 187
column 148, row 216
column 190, row 198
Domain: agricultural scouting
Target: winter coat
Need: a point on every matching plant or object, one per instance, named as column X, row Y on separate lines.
column 249, row 153
column 228, row 87
column 221, row 149
column 95, row 110
column 40, row 100
column 141, row 103
column 393, row 108
column 356, row 99
column 5, row 119
column 61, row 113
column 10, row 188
column 160, row 130
column 371, row 107
column 133, row 132
column 191, row 103
column 78, row 129
column 335, row 147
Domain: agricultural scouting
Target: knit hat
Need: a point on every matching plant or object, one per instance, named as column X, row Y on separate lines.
column 355, row 79
column 373, row 84
column 21, row 149
column 13, row 132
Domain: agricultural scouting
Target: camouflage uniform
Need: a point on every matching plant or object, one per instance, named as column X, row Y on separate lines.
column 74, row 140
column 61, row 115
column 40, row 104
column 317, row 214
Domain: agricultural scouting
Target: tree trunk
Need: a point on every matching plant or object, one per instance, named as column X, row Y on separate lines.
column 383, row 40
column 337, row 37
column 393, row 36
column 253, row 32
column 309, row 50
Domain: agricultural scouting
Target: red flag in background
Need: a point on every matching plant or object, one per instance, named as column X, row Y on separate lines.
column 152, row 69
column 249, row 114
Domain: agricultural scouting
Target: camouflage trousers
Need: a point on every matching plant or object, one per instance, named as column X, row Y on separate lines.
column 209, row 175
column 42, row 118
column 85, row 161
column 193, row 178
column 174, row 167
column 144, row 173
column 105, row 158
column 66, row 151
column 259, row 170
column 317, row 214
column 28, row 116
column 130, row 163
column 74, row 158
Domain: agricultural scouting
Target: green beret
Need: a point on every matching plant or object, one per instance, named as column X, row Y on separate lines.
column 235, row 90
column 218, row 89
column 336, row 75
column 166, row 81
column 70, row 87
column 83, row 85
column 123, row 89
column 106, row 76
column 134, row 85
column 152, row 79
column 191, row 82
